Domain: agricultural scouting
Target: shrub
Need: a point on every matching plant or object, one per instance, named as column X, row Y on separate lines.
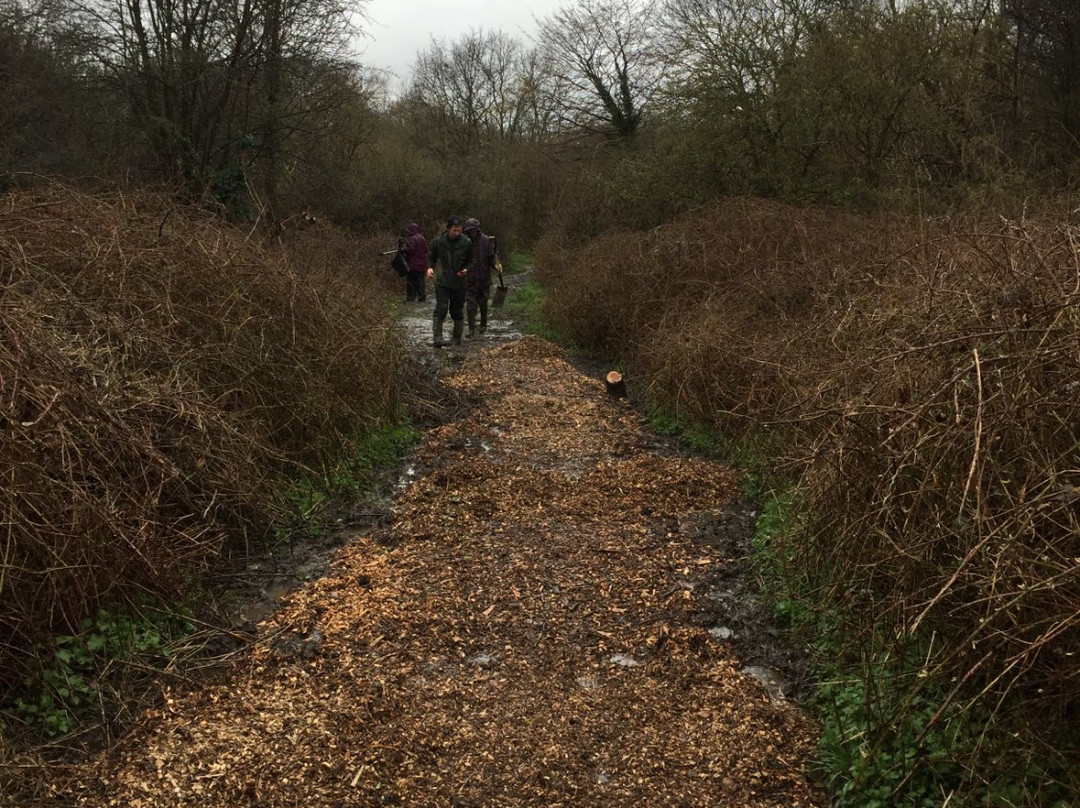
column 161, row 372
column 921, row 381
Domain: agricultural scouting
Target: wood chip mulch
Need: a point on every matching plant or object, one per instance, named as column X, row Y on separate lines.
column 519, row 636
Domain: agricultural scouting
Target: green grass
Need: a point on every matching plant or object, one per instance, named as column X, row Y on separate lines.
column 526, row 305
column 307, row 498
column 517, row 262
column 695, row 437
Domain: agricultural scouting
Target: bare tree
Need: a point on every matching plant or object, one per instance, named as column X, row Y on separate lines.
column 539, row 90
column 1046, row 34
column 217, row 85
column 47, row 109
column 486, row 87
column 607, row 54
column 736, row 60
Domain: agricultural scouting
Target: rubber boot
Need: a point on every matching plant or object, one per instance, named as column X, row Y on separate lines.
column 436, row 331
column 459, row 326
column 472, row 322
column 483, row 316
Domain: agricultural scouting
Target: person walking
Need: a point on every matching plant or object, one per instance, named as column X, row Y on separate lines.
column 478, row 281
column 453, row 252
column 415, row 251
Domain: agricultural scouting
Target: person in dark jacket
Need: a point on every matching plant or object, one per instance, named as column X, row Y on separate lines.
column 478, row 281
column 415, row 251
column 453, row 252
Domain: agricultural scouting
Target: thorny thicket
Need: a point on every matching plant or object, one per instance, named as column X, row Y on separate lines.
column 161, row 375
column 921, row 379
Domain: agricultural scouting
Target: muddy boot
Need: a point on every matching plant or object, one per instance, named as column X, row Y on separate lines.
column 472, row 323
column 483, row 316
column 459, row 326
column 436, row 331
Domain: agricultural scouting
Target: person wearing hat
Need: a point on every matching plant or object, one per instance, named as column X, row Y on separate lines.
column 478, row 281
column 414, row 248
column 453, row 252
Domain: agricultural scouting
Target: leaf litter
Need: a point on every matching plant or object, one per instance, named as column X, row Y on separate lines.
column 520, row 634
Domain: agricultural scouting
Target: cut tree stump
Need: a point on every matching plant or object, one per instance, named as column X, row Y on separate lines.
column 616, row 385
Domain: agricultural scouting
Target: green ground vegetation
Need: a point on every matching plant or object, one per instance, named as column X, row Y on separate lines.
column 76, row 677
column 309, row 501
column 526, row 305
column 842, row 234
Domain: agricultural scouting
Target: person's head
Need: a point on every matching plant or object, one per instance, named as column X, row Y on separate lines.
column 453, row 226
column 412, row 229
column 472, row 227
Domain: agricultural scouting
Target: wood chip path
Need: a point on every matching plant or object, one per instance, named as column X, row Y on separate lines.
column 519, row 636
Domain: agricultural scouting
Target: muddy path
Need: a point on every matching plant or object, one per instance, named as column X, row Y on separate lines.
column 548, row 616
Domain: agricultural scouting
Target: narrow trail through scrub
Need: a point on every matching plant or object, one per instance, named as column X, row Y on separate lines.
column 523, row 632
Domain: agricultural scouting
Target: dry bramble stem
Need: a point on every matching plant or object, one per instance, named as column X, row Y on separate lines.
column 160, row 372
column 921, row 379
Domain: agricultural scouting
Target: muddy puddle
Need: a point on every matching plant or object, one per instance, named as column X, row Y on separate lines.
column 737, row 610
column 416, row 322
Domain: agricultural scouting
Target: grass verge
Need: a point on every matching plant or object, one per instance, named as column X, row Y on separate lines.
column 310, row 499
column 526, row 304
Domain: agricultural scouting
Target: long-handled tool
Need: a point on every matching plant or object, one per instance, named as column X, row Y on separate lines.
column 500, row 293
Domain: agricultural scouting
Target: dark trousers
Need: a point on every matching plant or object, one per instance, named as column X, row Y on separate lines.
column 477, row 299
column 452, row 299
column 415, row 286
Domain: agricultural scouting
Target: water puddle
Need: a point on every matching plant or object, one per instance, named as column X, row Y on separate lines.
column 769, row 679
column 625, row 661
column 270, row 597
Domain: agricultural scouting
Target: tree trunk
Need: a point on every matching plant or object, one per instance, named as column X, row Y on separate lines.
column 615, row 384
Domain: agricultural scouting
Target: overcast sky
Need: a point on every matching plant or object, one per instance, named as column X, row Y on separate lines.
column 399, row 29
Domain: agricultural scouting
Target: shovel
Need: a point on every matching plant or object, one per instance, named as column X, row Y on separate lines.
column 500, row 293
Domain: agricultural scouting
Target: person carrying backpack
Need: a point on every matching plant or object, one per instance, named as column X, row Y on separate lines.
column 414, row 249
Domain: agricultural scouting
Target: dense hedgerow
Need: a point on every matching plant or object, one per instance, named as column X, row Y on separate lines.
column 161, row 374
column 921, row 381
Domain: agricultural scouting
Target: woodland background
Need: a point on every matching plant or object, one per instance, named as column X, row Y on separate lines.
column 841, row 235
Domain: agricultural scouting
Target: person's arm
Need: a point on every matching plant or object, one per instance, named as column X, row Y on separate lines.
column 432, row 256
column 466, row 258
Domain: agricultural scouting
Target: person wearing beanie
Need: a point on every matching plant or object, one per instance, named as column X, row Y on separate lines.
column 478, row 281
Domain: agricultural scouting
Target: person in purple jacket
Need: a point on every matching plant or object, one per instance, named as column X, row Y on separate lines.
column 478, row 282
column 415, row 252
